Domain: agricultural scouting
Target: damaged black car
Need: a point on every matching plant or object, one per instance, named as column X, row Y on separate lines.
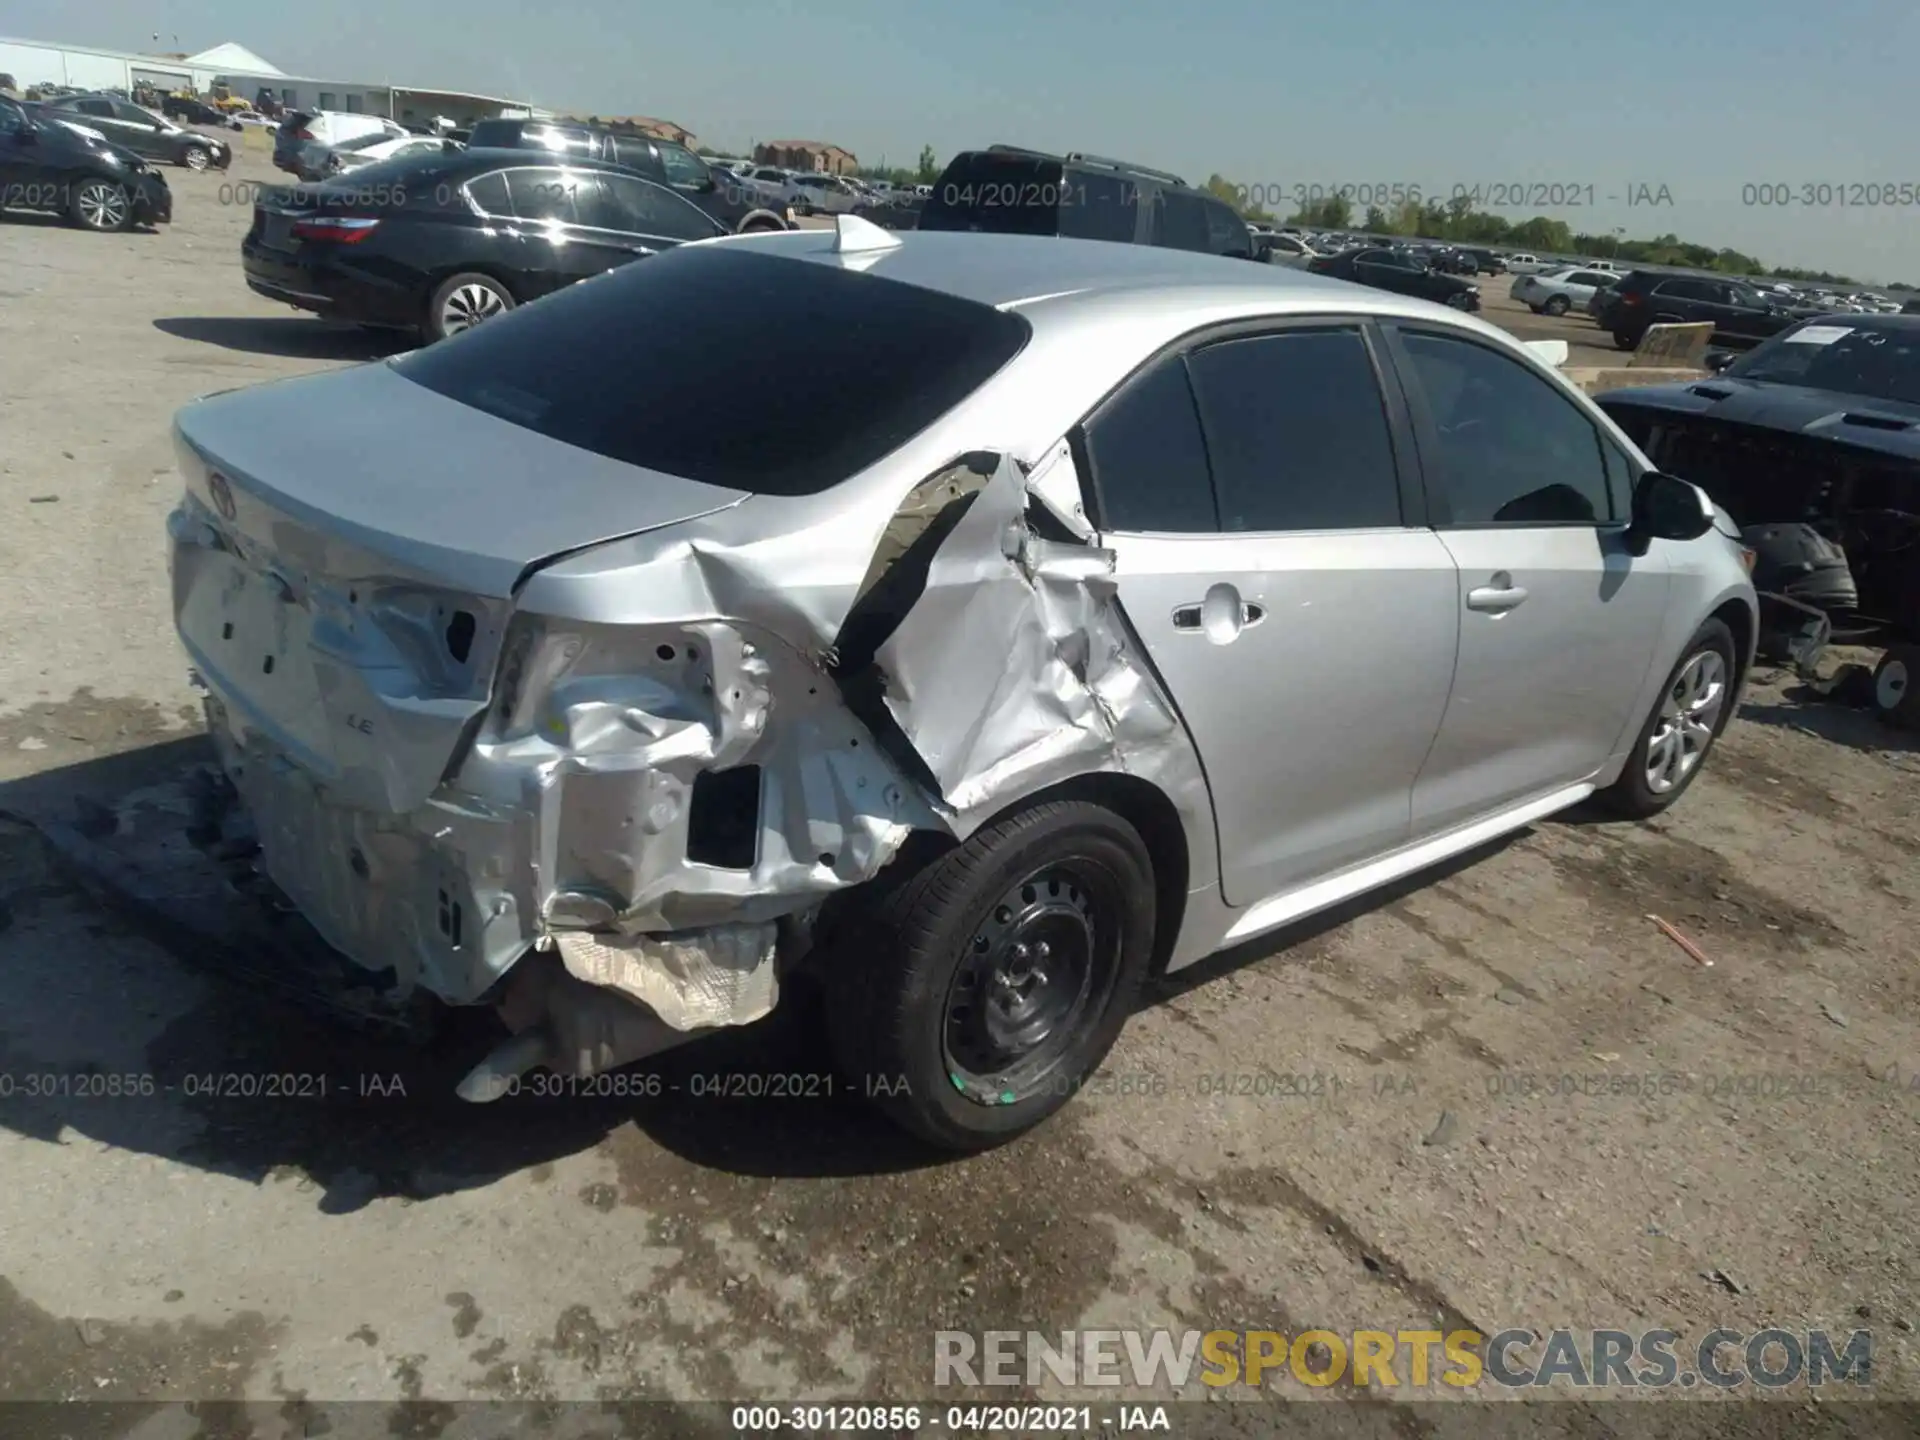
column 1811, row 441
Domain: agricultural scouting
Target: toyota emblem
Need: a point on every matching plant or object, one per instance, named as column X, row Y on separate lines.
column 222, row 494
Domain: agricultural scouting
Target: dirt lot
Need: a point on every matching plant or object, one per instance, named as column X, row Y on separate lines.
column 404, row 1248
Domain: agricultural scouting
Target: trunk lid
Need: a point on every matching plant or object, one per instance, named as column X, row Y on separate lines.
column 345, row 564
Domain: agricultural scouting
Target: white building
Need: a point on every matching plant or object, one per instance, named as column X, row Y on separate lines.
column 35, row 62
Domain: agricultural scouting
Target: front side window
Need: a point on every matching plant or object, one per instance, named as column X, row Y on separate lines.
column 1147, row 458
column 683, row 167
column 13, row 120
column 1512, row 450
column 1296, row 430
column 102, row 108
column 1227, row 233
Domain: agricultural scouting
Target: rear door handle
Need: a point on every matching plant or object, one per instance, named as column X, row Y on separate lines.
column 1498, row 596
column 1193, row 617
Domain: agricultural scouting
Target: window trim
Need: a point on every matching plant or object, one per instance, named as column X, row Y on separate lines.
column 1426, row 433
column 1415, row 503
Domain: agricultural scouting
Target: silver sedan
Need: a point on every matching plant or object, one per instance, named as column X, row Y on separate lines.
column 1069, row 612
column 1558, row 291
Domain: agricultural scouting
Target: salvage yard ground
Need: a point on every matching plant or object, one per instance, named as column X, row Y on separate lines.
column 390, row 1246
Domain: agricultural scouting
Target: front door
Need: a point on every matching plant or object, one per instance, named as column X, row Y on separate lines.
column 1558, row 621
column 1300, row 613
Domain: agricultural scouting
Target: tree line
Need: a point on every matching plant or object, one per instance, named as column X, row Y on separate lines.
column 1457, row 222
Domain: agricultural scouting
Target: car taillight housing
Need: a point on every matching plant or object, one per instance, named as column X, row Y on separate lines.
column 335, row 229
column 303, row 133
column 1628, row 299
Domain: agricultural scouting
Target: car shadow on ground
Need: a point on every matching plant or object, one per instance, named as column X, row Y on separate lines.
column 1806, row 709
column 252, row 1082
column 297, row 336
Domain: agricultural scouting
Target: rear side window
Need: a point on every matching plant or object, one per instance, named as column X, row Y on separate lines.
column 1000, row 194
column 1148, row 459
column 1297, row 432
column 491, row 134
column 1180, row 222
column 489, row 192
column 673, row 365
column 547, row 194
column 1094, row 206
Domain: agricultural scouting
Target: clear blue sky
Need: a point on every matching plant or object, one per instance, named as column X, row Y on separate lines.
column 1701, row 98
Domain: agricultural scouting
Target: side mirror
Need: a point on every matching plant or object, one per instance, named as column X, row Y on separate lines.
column 1665, row 507
column 1717, row 360
column 30, row 133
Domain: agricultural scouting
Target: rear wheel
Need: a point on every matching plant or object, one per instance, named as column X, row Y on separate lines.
column 1692, row 710
column 1896, row 698
column 1557, row 306
column 977, row 994
column 1625, row 340
column 462, row 302
column 763, row 225
column 103, row 205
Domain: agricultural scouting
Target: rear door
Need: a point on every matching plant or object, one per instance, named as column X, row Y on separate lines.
column 1557, row 620
column 1273, row 559
column 554, row 210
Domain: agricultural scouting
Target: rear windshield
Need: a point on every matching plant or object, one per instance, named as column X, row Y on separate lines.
column 1003, row 194
column 774, row 376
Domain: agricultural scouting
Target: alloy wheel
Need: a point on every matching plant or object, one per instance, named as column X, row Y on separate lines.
column 197, row 159
column 1689, row 718
column 1039, row 966
column 467, row 306
column 102, row 204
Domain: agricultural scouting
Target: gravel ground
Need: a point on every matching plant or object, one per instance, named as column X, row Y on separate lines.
column 403, row 1249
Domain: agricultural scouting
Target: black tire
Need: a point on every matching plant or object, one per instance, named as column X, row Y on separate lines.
column 1557, row 306
column 763, row 225
column 1633, row 794
column 905, row 972
column 1896, row 695
column 1534, row 308
column 1625, row 340
column 442, row 305
column 101, row 205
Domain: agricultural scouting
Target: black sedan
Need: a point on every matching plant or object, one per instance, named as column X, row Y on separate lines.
column 47, row 164
column 436, row 244
column 1399, row 272
column 145, row 133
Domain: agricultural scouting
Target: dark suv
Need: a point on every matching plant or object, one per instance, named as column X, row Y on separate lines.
column 1741, row 316
column 1007, row 190
column 718, row 192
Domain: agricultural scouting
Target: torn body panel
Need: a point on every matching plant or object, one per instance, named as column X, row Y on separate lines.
column 652, row 802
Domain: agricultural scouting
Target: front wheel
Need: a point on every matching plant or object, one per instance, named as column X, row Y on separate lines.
column 1625, row 340
column 1557, row 306
column 102, row 205
column 976, row 995
column 196, row 158
column 462, row 302
column 1688, row 717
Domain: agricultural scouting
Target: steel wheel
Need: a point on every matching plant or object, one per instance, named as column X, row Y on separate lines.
column 1689, row 719
column 102, row 205
column 197, row 159
column 467, row 305
column 1040, row 963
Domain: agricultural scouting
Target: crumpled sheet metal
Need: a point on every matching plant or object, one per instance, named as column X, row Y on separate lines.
column 605, row 738
column 722, row 975
column 1015, row 669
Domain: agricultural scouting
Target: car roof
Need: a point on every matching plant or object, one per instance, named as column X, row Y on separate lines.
column 1006, row 271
